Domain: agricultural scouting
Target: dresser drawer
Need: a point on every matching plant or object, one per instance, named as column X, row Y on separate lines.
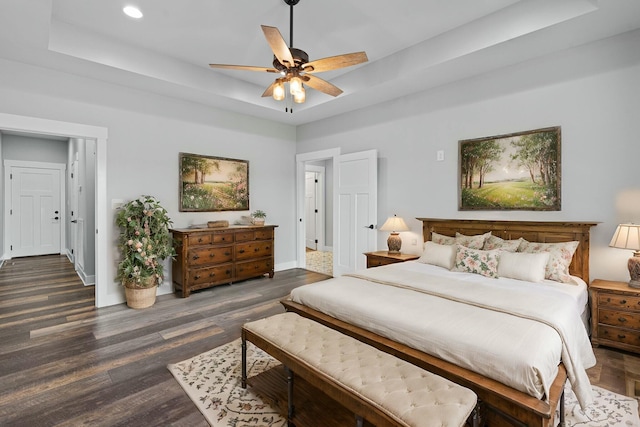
column 375, row 261
column 245, row 236
column 245, row 270
column 625, row 319
column 620, row 335
column 199, row 239
column 222, row 238
column 254, row 250
column 210, row 255
column 618, row 301
column 203, row 276
column 266, row 234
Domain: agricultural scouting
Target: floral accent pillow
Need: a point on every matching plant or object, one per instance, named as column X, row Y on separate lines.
column 560, row 255
column 441, row 239
column 477, row 261
column 473, row 242
column 495, row 242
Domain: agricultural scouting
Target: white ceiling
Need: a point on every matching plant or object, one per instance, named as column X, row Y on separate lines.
column 412, row 45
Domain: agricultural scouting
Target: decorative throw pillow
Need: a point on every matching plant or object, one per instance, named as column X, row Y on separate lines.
column 560, row 255
column 477, row 261
column 495, row 242
column 473, row 242
column 440, row 255
column 523, row 266
column 441, row 239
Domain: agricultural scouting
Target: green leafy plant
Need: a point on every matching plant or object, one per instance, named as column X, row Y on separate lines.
column 259, row 214
column 144, row 242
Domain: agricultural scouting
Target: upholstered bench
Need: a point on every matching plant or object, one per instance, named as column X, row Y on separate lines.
column 375, row 385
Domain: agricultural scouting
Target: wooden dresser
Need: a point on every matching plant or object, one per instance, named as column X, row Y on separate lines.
column 615, row 315
column 214, row 256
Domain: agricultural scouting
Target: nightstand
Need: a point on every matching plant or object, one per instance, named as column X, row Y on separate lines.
column 376, row 259
column 615, row 315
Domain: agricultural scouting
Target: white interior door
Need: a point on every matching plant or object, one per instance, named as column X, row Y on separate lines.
column 35, row 211
column 357, row 210
column 311, row 210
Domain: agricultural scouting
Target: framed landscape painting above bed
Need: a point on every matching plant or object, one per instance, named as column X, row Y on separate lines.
column 209, row 184
column 518, row 171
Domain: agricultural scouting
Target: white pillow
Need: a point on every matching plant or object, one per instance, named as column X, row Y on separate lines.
column 523, row 266
column 440, row 255
column 560, row 256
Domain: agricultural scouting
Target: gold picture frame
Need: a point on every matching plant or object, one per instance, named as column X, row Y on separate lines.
column 211, row 184
column 517, row 171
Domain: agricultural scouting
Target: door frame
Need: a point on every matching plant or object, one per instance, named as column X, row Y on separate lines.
column 11, row 122
column 332, row 154
column 320, row 194
column 8, row 164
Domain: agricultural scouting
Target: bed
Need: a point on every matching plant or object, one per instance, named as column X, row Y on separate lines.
column 513, row 355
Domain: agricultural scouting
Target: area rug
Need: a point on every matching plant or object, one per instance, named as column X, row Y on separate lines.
column 212, row 382
column 319, row 261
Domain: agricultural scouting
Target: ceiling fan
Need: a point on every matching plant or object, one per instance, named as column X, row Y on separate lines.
column 295, row 68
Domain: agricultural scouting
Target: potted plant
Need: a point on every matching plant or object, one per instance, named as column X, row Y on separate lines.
column 144, row 243
column 258, row 217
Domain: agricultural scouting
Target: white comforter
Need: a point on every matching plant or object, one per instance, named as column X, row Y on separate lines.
column 512, row 331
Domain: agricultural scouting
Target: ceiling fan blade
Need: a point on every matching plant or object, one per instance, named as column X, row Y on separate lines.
column 335, row 62
column 322, row 85
column 278, row 45
column 269, row 90
column 244, row 67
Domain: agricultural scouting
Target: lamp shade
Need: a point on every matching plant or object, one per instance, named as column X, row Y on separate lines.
column 394, row 223
column 627, row 236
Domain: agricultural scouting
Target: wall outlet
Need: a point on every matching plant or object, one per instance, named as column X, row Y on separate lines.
column 440, row 155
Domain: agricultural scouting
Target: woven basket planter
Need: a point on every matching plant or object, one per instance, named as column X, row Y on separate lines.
column 140, row 297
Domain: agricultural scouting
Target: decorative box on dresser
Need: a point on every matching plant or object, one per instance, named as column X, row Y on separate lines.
column 215, row 256
column 615, row 315
column 378, row 258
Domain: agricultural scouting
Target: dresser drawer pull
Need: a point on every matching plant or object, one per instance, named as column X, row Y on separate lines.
column 196, row 257
column 196, row 277
column 212, row 274
column 621, row 319
column 212, row 255
column 256, row 250
column 199, row 239
column 620, row 336
column 227, row 253
column 624, row 301
column 241, row 251
column 228, row 272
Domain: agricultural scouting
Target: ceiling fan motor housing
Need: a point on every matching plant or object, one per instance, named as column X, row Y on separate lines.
column 300, row 57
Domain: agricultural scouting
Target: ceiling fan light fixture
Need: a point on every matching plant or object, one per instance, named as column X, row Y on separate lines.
column 278, row 90
column 300, row 96
column 295, row 85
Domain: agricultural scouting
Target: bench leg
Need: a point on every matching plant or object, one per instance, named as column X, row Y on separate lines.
column 244, row 362
column 290, row 408
column 561, row 423
column 359, row 421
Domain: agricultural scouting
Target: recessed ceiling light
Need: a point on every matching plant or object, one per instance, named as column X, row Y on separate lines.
column 132, row 11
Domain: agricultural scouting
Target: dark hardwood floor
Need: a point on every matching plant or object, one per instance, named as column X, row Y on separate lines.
column 64, row 362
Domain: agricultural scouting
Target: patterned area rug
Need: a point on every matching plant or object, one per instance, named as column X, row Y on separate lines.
column 212, row 382
column 319, row 261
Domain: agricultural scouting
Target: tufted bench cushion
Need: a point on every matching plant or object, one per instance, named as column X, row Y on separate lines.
column 409, row 395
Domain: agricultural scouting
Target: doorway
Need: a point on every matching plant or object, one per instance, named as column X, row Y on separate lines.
column 33, row 125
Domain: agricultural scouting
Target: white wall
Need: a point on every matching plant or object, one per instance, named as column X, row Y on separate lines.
column 146, row 133
column 34, row 149
column 592, row 92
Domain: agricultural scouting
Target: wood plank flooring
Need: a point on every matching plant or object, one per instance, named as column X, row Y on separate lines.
column 64, row 362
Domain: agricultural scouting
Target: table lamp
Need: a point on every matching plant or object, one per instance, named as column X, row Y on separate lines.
column 627, row 236
column 394, row 224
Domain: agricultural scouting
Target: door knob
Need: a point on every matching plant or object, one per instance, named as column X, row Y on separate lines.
column 370, row 226
column 74, row 221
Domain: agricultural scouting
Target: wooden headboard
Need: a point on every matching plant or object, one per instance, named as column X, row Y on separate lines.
column 532, row 231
